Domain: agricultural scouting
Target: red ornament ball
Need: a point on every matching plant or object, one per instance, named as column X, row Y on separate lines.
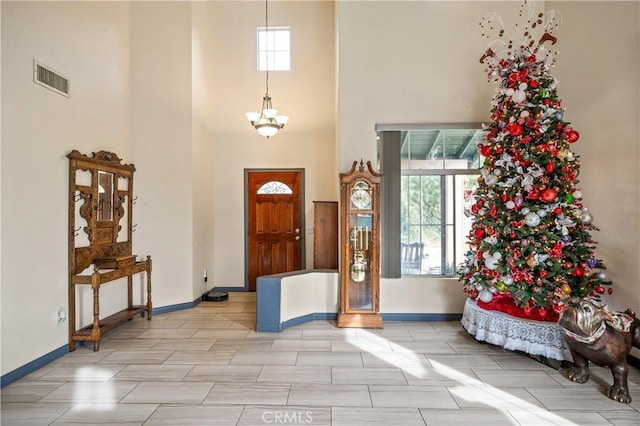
column 478, row 233
column 550, row 167
column 533, row 84
column 485, row 151
column 609, row 290
column 548, row 195
column 572, row 136
column 515, row 130
column 600, row 289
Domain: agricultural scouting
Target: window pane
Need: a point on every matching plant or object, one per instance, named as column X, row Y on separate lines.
column 281, row 61
column 433, row 251
column 431, row 200
column 281, row 40
column 274, row 49
column 439, row 176
column 274, row 187
column 441, row 149
column 262, row 61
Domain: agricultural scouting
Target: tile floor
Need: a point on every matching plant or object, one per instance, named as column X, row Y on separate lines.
column 208, row 366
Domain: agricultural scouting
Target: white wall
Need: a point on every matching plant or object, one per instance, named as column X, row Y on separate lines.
column 203, row 96
column 311, row 293
column 410, row 62
column 305, row 94
column 39, row 127
column 168, row 93
column 417, row 62
column 599, row 68
column 162, row 146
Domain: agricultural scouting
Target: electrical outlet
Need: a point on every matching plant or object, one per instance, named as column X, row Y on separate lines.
column 205, row 277
column 62, row 316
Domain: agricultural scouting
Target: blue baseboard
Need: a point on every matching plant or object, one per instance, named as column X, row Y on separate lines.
column 230, row 289
column 307, row 318
column 45, row 359
column 177, row 307
column 271, row 324
column 421, row 317
column 29, row 368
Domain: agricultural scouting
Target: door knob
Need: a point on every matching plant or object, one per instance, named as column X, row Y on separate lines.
column 297, row 230
column 297, row 237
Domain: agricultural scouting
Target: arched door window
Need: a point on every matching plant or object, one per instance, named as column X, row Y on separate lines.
column 274, row 187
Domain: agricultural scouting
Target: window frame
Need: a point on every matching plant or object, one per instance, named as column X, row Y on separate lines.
column 391, row 260
column 270, row 51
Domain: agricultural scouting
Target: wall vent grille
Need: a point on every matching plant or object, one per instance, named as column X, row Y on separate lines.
column 46, row 77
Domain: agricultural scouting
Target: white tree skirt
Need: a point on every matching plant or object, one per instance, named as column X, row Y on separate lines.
column 542, row 338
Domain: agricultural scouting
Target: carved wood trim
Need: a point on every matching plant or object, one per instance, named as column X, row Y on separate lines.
column 105, row 158
column 86, row 211
column 84, row 256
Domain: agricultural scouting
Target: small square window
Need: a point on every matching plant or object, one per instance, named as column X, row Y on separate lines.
column 274, row 49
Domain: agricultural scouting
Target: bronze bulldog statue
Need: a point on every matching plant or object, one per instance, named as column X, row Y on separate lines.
column 605, row 338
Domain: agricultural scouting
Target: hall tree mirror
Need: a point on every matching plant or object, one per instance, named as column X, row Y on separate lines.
column 100, row 241
column 105, row 196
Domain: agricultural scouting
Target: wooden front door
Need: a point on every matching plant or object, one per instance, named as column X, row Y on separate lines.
column 274, row 216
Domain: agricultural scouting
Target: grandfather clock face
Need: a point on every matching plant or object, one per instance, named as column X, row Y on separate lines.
column 361, row 196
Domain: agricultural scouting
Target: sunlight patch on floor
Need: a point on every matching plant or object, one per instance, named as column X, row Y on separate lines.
column 406, row 360
column 469, row 388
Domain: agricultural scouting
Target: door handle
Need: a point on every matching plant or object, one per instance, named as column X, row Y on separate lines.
column 297, row 237
column 297, row 230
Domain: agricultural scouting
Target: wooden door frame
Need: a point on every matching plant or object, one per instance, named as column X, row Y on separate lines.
column 303, row 229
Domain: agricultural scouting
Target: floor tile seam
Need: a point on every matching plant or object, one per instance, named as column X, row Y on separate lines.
column 511, row 411
column 49, row 393
column 182, row 380
column 63, row 414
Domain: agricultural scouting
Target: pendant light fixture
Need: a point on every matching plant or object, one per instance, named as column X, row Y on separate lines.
column 267, row 122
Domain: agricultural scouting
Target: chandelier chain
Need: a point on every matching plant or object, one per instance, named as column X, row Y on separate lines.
column 266, row 33
column 267, row 122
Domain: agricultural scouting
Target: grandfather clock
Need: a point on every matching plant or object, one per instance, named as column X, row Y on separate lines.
column 360, row 244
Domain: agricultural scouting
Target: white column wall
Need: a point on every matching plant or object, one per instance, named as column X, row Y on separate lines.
column 203, row 95
column 305, row 93
column 39, row 127
column 161, row 145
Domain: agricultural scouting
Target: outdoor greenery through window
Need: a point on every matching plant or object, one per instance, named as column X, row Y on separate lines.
column 439, row 168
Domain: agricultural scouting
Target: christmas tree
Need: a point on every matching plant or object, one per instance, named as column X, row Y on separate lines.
column 530, row 242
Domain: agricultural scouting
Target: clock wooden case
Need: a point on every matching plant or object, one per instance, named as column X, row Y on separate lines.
column 360, row 245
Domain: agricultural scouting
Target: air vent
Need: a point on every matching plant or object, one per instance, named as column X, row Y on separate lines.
column 46, row 77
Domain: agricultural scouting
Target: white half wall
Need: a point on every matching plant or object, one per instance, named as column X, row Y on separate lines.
column 309, row 293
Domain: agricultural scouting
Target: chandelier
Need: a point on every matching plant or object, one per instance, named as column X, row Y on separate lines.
column 267, row 122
